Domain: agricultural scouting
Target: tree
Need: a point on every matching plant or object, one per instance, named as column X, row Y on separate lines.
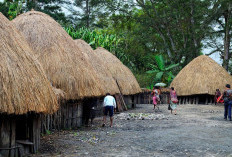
column 50, row 7
column 179, row 26
column 163, row 72
column 222, row 21
column 88, row 12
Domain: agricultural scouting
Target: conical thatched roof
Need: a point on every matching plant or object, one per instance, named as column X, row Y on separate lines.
column 23, row 84
column 66, row 67
column 125, row 78
column 201, row 76
column 106, row 77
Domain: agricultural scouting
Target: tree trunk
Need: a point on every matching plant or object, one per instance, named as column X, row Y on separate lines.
column 226, row 55
column 87, row 13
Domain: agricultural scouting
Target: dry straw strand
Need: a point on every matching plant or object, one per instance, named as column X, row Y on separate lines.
column 65, row 66
column 23, row 84
column 104, row 75
column 125, row 78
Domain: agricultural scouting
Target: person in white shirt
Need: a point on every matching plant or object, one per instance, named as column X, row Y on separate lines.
column 109, row 105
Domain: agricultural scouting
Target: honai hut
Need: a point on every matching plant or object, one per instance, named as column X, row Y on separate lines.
column 65, row 66
column 126, row 81
column 108, row 82
column 25, row 94
column 197, row 82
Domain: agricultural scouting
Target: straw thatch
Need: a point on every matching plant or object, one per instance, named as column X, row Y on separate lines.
column 66, row 67
column 59, row 93
column 125, row 78
column 201, row 76
column 23, row 84
column 106, row 77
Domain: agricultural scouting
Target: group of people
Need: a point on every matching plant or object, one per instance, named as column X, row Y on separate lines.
column 109, row 103
column 226, row 98
column 156, row 93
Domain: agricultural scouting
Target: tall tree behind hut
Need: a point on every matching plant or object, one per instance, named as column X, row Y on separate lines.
column 87, row 11
column 51, row 7
column 221, row 30
column 178, row 25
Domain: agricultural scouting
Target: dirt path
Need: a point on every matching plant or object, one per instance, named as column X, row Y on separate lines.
column 197, row 130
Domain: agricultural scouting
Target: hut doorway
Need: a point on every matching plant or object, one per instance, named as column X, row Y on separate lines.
column 27, row 135
column 206, row 99
column 23, row 127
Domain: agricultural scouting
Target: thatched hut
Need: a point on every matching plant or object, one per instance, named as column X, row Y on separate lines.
column 65, row 66
column 109, row 83
column 145, row 96
column 25, row 92
column 125, row 79
column 198, row 81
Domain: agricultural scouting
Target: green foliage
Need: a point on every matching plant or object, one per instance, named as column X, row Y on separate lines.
column 48, row 132
column 96, row 38
column 4, row 8
column 145, row 80
column 99, row 38
column 51, row 7
column 163, row 73
column 15, row 8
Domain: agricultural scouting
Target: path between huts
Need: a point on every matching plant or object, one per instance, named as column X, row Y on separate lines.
column 197, row 130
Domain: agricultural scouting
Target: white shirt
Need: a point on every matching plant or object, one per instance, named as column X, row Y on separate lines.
column 109, row 101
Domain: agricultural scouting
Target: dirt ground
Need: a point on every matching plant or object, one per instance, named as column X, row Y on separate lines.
column 196, row 130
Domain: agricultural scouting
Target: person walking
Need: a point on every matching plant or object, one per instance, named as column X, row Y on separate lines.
column 109, row 104
column 173, row 101
column 156, row 98
column 227, row 96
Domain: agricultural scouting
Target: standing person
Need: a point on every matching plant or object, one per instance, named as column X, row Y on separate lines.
column 173, row 101
column 217, row 95
column 155, row 94
column 227, row 96
column 109, row 105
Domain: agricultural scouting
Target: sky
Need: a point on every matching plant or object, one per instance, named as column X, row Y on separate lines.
column 214, row 56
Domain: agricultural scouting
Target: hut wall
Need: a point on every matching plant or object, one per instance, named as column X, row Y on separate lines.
column 7, row 137
column 145, row 97
column 165, row 98
column 69, row 116
column 197, row 99
column 128, row 101
column 138, row 99
column 19, row 135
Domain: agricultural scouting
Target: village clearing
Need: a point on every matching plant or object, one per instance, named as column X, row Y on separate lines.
column 197, row 130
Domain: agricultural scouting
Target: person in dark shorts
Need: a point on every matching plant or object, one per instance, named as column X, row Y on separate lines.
column 227, row 96
column 109, row 104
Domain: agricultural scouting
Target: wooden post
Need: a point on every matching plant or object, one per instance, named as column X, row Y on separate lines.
column 13, row 137
column 187, row 100
column 80, row 113
column 206, row 100
column 4, row 136
column 197, row 100
column 211, row 100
